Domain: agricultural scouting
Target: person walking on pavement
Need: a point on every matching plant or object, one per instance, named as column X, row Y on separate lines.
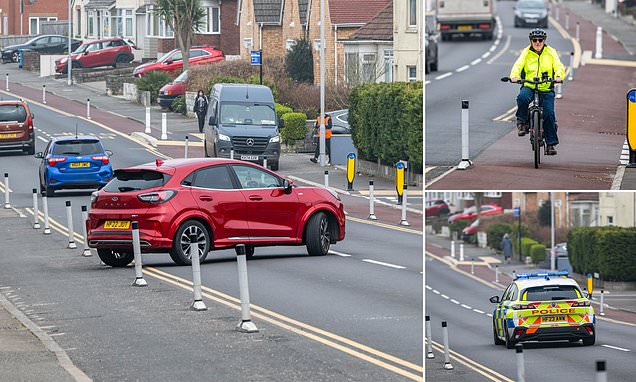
column 201, row 108
column 506, row 245
column 328, row 127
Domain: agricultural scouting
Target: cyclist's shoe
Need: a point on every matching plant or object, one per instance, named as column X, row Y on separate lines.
column 522, row 128
column 550, row 150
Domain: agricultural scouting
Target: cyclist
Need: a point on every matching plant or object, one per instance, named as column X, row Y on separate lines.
column 538, row 60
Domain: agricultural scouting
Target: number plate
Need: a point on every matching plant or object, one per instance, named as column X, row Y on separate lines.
column 13, row 135
column 553, row 319
column 464, row 27
column 249, row 157
column 116, row 224
column 80, row 164
column 531, row 21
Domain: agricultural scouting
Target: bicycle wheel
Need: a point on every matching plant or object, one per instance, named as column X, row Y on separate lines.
column 536, row 129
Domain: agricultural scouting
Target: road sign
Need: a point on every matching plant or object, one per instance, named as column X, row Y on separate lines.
column 517, row 211
column 399, row 178
column 631, row 126
column 255, row 57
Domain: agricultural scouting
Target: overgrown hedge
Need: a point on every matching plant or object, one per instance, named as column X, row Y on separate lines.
column 386, row 121
column 282, row 110
column 610, row 251
column 496, row 232
column 458, row 226
column 537, row 253
column 295, row 127
column 153, row 82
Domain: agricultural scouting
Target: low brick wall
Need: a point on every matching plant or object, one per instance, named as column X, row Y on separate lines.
column 31, row 61
column 115, row 83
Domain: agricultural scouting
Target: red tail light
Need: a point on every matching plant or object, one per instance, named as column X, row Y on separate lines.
column 444, row 27
column 54, row 161
column 589, row 329
column 575, row 304
column 518, row 332
column 484, row 26
column 523, row 306
column 103, row 158
column 157, row 197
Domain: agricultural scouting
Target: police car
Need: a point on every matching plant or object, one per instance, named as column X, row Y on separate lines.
column 543, row 307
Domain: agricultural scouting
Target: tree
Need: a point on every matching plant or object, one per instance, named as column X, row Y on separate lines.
column 300, row 62
column 544, row 214
column 185, row 17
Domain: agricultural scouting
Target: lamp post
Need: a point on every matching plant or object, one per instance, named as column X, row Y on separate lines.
column 322, row 142
column 70, row 32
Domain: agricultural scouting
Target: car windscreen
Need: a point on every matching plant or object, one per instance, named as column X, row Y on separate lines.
column 81, row 48
column 531, row 4
column 551, row 292
column 78, row 147
column 183, row 77
column 162, row 58
column 10, row 113
column 127, row 180
column 245, row 113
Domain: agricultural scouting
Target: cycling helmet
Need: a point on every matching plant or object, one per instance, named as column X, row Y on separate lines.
column 538, row 33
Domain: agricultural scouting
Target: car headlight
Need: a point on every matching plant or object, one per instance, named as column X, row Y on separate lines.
column 274, row 139
column 223, row 137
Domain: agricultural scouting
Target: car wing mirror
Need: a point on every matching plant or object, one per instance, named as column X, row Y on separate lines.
column 39, row 155
column 495, row 299
column 212, row 120
column 86, row 53
column 168, row 62
column 287, row 186
column 281, row 123
column 109, row 153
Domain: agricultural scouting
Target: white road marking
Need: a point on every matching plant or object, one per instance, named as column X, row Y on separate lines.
column 445, row 296
column 454, row 301
column 436, row 291
column 42, row 139
column 478, row 311
column 492, row 48
column 444, row 76
column 339, row 253
column 384, row 264
column 48, row 327
column 616, row 347
column 428, row 287
column 485, row 55
column 462, row 68
column 466, row 306
column 475, row 62
column 489, row 314
column 427, row 82
column 57, row 334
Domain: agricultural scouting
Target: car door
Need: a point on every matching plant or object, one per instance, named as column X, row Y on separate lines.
column 58, row 45
column 41, row 45
column 109, row 52
column 93, row 56
column 217, row 195
column 272, row 214
column 507, row 300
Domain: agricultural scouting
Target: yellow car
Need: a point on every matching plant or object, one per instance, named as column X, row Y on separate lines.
column 543, row 307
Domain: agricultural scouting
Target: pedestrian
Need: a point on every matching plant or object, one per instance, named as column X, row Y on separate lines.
column 506, row 245
column 201, row 108
column 328, row 127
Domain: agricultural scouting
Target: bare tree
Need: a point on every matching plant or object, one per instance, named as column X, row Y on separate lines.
column 186, row 18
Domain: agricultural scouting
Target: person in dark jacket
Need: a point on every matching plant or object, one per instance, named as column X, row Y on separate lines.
column 201, row 108
column 506, row 246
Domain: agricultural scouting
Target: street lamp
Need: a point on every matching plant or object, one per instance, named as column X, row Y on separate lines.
column 552, row 254
column 70, row 32
column 322, row 140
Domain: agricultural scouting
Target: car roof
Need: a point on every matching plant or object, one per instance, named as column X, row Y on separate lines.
column 104, row 40
column 540, row 281
column 240, row 92
column 182, row 162
column 75, row 138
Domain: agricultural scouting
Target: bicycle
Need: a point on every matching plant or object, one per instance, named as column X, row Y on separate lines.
column 535, row 111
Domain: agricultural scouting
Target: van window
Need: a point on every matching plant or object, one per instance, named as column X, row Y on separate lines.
column 243, row 113
column 10, row 113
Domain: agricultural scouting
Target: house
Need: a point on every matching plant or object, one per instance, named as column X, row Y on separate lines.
column 617, row 208
column 408, row 34
column 13, row 21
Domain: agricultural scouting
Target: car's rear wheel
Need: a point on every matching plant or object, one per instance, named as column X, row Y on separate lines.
column 497, row 340
column 274, row 166
column 589, row 341
column 15, row 57
column 180, row 252
column 318, row 235
column 249, row 251
column 510, row 344
column 116, row 257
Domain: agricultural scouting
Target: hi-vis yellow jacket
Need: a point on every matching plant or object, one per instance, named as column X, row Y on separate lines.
column 533, row 65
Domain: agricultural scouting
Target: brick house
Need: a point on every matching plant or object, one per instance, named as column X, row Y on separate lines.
column 35, row 12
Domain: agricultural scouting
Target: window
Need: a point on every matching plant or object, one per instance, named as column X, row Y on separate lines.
column 551, row 293
column 352, row 68
column 610, row 220
column 215, row 177
column 411, row 72
column 368, row 67
column 35, row 24
column 198, row 53
column 126, row 181
column 247, row 44
column 412, row 13
column 91, row 23
column 121, row 23
column 94, row 47
column 245, row 113
column 388, row 65
column 155, row 25
column 211, row 21
column 77, row 148
column 289, row 44
column 129, row 23
column 253, row 177
column 12, row 113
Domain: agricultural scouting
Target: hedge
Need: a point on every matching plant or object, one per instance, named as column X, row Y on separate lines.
column 537, row 253
column 386, row 121
column 282, row 110
column 496, row 232
column 295, row 127
column 153, row 82
column 458, row 226
column 526, row 244
column 610, row 251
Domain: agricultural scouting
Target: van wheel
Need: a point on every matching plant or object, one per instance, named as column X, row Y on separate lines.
column 318, row 235
column 180, row 252
column 116, row 257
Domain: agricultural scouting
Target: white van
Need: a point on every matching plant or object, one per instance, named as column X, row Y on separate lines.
column 465, row 17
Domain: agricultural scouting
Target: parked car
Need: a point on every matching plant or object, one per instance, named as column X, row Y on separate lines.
column 224, row 202
column 16, row 127
column 340, row 121
column 436, row 207
column 471, row 213
column 431, row 36
column 170, row 91
column 471, row 230
column 173, row 60
column 561, row 249
column 532, row 13
column 107, row 52
column 74, row 162
column 45, row 44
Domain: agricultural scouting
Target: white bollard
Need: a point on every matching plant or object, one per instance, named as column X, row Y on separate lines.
column 601, row 373
column 164, row 126
column 472, row 266
column 404, row 203
column 326, row 179
column 7, row 201
column 185, row 154
column 231, row 153
column 557, row 13
column 453, row 249
column 496, row 273
column 87, row 251
column 139, row 276
column 265, row 161
column 429, row 340
column 7, row 82
column 36, row 211
column 69, row 220
column 148, row 130
column 461, row 251
column 198, row 304
column 371, row 202
column 602, row 312
column 245, row 325
column 88, row 108
column 521, row 366
column 447, row 364
column 578, row 31
column 44, row 94
column 599, row 43
column 465, row 162
column 571, row 76
column 567, row 21
column 45, row 207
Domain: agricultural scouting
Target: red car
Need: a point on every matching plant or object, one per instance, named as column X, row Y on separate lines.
column 224, row 202
column 170, row 91
column 107, row 52
column 173, row 60
column 436, row 207
column 471, row 213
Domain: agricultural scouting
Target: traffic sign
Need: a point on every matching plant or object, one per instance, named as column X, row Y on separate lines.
column 255, row 57
column 517, row 211
column 631, row 126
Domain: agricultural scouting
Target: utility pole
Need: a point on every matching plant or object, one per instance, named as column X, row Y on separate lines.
column 322, row 142
column 70, row 32
column 552, row 254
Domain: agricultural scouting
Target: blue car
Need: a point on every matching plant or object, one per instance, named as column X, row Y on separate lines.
column 74, row 162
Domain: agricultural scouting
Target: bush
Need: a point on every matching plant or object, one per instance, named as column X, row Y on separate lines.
column 496, row 232
column 152, row 82
column 282, row 110
column 179, row 105
column 295, row 127
column 458, row 226
column 299, row 62
column 537, row 253
column 526, row 244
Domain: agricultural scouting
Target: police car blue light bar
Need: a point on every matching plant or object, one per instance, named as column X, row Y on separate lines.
column 542, row 274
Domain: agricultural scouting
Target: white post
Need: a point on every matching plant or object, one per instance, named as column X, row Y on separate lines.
column 45, row 207
column 36, row 211
column 322, row 140
column 602, row 312
column 453, row 249
column 404, row 203
column 599, row 43
column 521, row 367
column 198, row 304
column 148, row 130
column 245, row 325
column 465, row 162
column 71, row 232
column 559, row 91
column 552, row 228
column 447, row 364
column 496, row 273
column 164, row 126
column 7, row 81
column 7, row 202
column 185, row 154
column 265, row 161
column 557, row 13
column 326, row 179
column 567, row 21
column 44, row 94
column 461, row 251
column 578, row 31
column 87, row 251
column 139, row 276
column 429, row 340
column 371, row 202
column 601, row 373
column 88, row 108
column 231, row 153
column 571, row 76
column 472, row 266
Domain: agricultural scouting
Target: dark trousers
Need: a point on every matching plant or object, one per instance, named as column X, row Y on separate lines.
column 201, row 117
column 546, row 100
column 327, row 148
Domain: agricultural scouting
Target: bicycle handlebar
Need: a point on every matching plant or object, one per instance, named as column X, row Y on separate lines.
column 535, row 81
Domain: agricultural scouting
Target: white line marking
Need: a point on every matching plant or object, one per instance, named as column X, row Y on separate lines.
column 477, row 61
column 615, row 347
column 454, row 301
column 428, row 287
column 489, row 314
column 42, row 139
column 466, row 306
column 56, row 334
column 335, row 253
column 444, row 76
column 384, row 264
column 485, row 55
column 462, row 68
column 436, row 291
column 445, row 296
column 48, row 327
column 478, row 311
column 492, row 48
column 427, row 82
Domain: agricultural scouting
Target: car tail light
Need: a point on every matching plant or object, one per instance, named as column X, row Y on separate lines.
column 103, row 158
column 54, row 161
column 157, row 197
column 518, row 332
column 444, row 27
column 94, row 196
column 484, row 26
column 575, row 304
column 523, row 306
column 589, row 329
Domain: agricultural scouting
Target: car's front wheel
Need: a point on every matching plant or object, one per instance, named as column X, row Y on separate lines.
column 116, row 257
column 510, row 344
column 15, row 57
column 180, row 252
column 318, row 235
